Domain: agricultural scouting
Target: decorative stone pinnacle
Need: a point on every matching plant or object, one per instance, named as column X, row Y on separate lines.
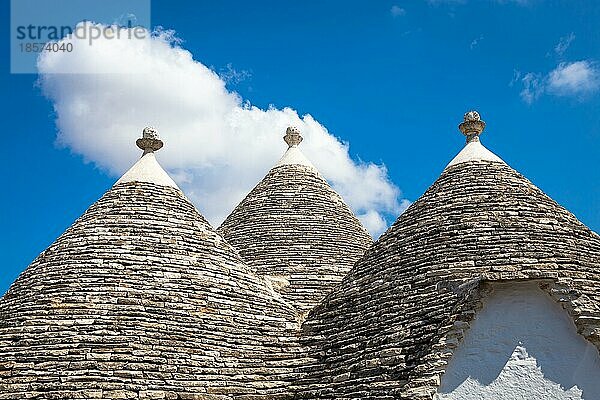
column 292, row 136
column 472, row 126
column 149, row 142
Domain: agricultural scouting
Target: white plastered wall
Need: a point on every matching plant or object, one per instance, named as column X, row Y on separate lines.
column 522, row 345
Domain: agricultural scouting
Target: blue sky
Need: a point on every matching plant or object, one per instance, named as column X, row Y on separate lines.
column 392, row 79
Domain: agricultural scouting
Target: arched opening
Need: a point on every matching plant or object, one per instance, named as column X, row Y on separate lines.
column 522, row 345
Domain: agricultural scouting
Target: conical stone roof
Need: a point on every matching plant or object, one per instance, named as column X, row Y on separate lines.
column 389, row 329
column 141, row 298
column 295, row 230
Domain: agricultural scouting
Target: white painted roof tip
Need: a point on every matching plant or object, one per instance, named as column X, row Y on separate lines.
column 474, row 151
column 472, row 127
column 293, row 155
column 147, row 168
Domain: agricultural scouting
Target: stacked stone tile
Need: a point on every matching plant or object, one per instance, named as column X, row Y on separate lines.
column 141, row 298
column 295, row 230
column 389, row 329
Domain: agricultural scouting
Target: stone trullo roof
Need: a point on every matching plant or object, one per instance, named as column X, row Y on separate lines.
column 389, row 329
column 296, row 230
column 141, row 298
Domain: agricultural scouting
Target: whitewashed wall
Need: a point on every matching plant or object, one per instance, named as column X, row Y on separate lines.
column 522, row 345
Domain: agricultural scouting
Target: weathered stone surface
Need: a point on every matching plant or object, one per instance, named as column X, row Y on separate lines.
column 389, row 329
column 141, row 298
column 295, row 230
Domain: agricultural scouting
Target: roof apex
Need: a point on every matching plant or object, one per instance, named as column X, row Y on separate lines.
column 474, row 151
column 293, row 155
column 472, row 127
column 147, row 168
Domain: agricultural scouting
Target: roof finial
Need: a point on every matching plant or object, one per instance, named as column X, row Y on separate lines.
column 149, row 142
column 472, row 126
column 292, row 136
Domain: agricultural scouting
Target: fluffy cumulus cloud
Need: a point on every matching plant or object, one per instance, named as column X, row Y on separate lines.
column 574, row 79
column 577, row 79
column 217, row 145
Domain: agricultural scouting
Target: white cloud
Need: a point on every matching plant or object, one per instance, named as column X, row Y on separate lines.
column 233, row 76
column 575, row 78
column 564, row 43
column 217, row 145
column 533, row 87
column 373, row 220
column 397, row 11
